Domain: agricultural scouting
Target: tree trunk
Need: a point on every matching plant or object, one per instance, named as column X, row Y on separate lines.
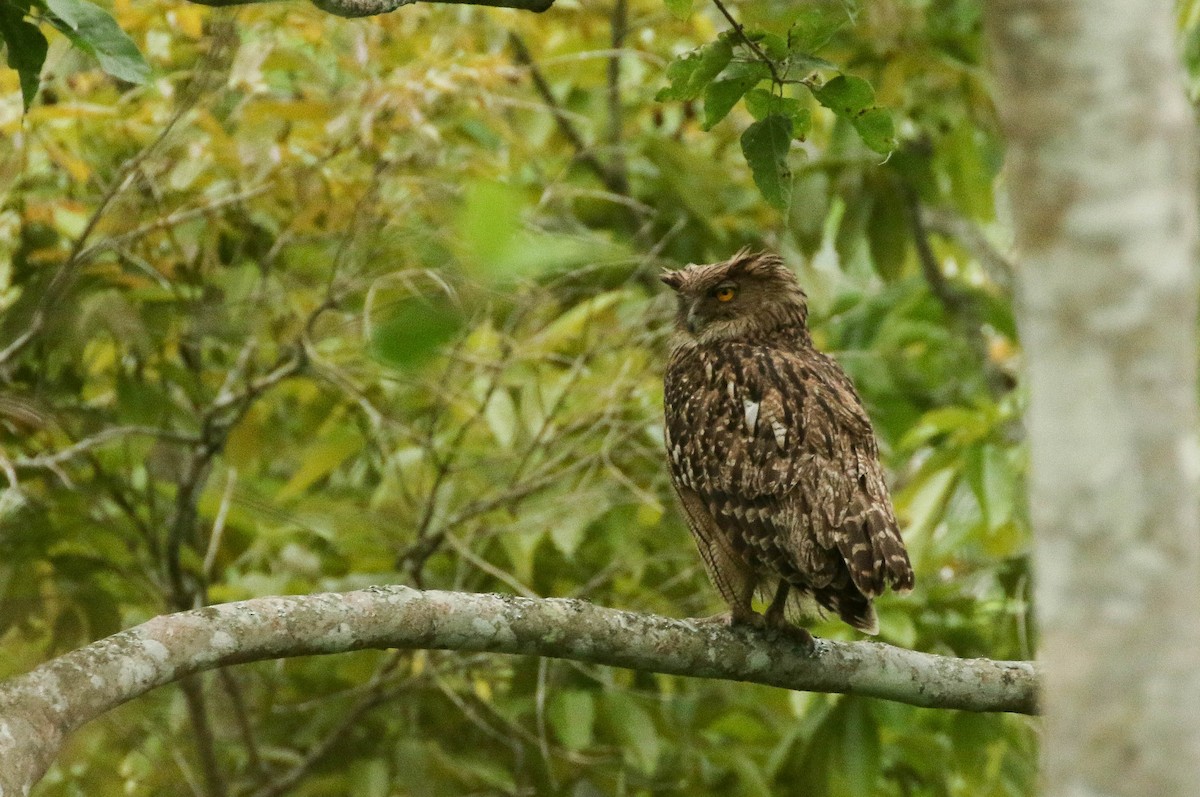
column 1100, row 172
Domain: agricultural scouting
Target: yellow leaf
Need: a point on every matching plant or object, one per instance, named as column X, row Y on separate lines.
column 319, row 461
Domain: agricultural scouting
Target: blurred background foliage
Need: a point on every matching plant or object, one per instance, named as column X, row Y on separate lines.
column 325, row 303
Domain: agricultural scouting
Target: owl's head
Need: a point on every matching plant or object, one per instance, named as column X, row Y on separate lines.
column 751, row 293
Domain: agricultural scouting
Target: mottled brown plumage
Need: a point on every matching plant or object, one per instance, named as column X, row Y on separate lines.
column 771, row 452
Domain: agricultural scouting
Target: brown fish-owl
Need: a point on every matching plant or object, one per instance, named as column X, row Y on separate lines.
column 771, row 452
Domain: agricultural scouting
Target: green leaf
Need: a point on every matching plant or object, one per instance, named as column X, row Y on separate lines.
column 26, row 50
column 762, row 103
column 692, row 73
column 634, row 726
column 572, row 715
column 765, row 145
column 722, row 95
column 858, row 762
column 321, row 459
column 488, row 224
column 414, row 331
column 801, row 65
column 814, row 27
column 680, row 9
column 876, row 128
column 93, row 30
column 846, row 95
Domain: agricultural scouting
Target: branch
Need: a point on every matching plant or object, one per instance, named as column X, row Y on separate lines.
column 370, row 8
column 583, row 153
column 39, row 709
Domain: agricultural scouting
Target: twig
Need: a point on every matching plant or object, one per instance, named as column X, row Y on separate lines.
column 618, row 175
column 741, row 32
column 218, row 530
column 172, row 220
column 52, row 461
column 242, row 717
column 372, row 697
column 202, row 736
column 582, row 152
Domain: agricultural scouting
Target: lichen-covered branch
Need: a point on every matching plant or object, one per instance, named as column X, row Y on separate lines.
column 39, row 709
column 370, row 8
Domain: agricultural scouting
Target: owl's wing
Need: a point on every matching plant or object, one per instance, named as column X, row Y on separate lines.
column 727, row 571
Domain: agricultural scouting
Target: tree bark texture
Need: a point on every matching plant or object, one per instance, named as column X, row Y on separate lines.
column 369, row 8
column 1102, row 183
column 39, row 709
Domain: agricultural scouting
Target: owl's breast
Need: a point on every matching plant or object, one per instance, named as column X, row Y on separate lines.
column 730, row 425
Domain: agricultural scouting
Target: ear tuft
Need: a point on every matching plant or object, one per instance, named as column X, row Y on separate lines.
column 672, row 279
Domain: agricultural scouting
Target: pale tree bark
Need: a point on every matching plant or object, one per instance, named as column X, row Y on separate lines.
column 1102, row 183
column 38, row 710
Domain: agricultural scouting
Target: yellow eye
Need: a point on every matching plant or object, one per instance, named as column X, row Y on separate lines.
column 724, row 294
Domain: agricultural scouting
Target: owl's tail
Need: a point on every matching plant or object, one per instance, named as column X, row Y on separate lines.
column 873, row 550
column 852, row 606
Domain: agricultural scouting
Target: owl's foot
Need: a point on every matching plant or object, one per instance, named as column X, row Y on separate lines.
column 795, row 633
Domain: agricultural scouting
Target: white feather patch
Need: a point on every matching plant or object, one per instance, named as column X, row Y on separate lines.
column 780, row 433
column 751, row 408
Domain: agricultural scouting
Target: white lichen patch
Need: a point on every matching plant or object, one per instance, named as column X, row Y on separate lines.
column 759, row 660
column 156, row 650
column 134, row 673
column 222, row 642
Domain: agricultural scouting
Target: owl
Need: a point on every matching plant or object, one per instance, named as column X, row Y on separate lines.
column 771, row 453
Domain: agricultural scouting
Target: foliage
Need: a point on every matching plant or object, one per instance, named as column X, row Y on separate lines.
column 326, row 303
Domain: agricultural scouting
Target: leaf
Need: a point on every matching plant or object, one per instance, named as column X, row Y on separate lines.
column 692, row 73
column 814, row 27
column 876, row 128
column 765, row 145
column 320, row 460
column 722, row 95
column 680, row 9
column 488, row 222
column 846, row 95
column 801, row 65
column 501, row 417
column 26, row 48
column 572, row 715
column 415, row 330
column 762, row 103
column 93, row 30
column 858, row 762
column 633, row 725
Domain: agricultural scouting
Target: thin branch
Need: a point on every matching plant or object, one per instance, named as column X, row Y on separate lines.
column 218, row 527
column 741, row 32
column 167, row 222
column 39, row 709
column 242, row 717
column 52, row 461
column 202, row 734
column 617, row 171
column 583, row 152
column 372, row 697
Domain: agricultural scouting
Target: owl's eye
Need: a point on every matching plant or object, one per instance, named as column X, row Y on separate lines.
column 725, row 293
